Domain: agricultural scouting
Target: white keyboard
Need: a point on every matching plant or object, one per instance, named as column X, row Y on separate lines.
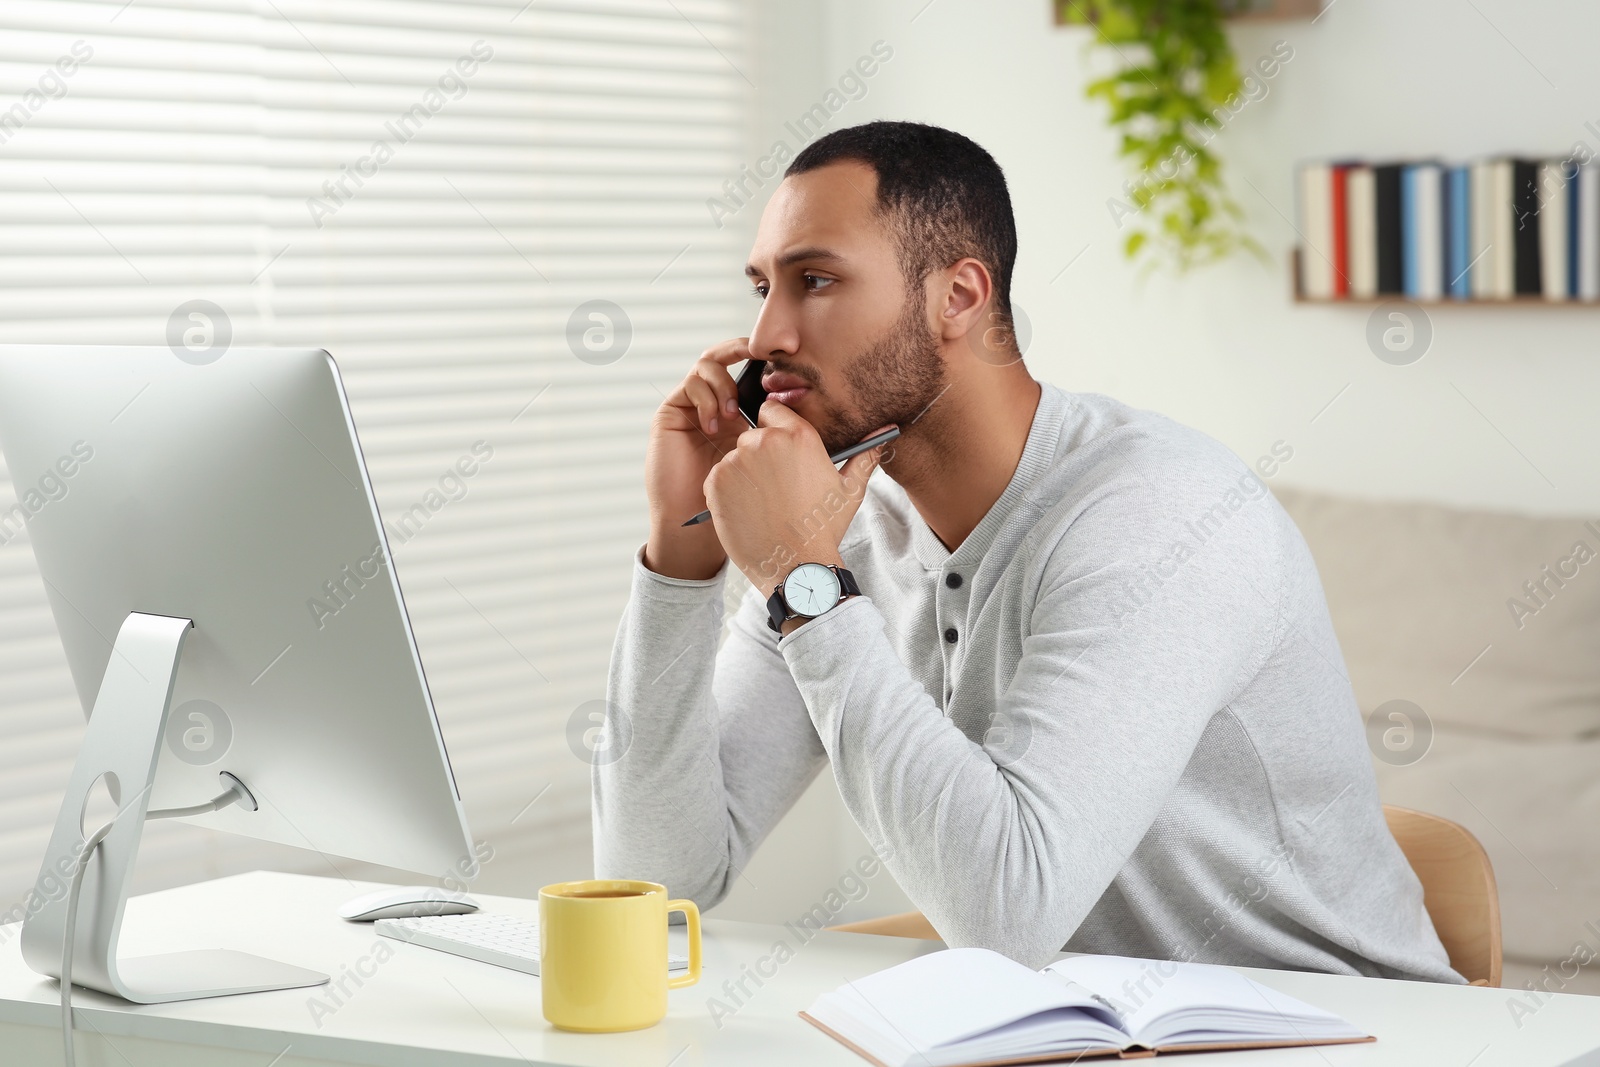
column 501, row 940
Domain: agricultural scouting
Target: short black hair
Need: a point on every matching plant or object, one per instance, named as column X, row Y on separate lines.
column 946, row 197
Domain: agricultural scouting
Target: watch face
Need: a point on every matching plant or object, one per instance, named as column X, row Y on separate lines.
column 811, row 589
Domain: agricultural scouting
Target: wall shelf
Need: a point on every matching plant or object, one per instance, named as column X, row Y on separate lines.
column 1525, row 300
column 1384, row 298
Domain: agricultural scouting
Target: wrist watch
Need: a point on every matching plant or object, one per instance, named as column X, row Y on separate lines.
column 807, row 591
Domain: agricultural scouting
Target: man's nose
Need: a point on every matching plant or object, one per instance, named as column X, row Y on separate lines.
column 776, row 332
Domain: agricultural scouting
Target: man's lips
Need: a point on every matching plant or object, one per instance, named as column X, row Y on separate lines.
column 783, row 387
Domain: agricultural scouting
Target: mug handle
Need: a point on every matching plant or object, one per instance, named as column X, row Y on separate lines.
column 692, row 913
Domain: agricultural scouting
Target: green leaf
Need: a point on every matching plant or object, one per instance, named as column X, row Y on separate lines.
column 1117, row 24
column 1175, row 68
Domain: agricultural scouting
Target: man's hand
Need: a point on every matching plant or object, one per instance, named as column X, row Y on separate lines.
column 692, row 430
column 776, row 499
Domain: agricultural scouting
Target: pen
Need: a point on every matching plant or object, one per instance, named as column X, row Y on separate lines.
column 838, row 457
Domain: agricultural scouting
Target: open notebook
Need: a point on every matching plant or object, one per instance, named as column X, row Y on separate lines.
column 967, row 1006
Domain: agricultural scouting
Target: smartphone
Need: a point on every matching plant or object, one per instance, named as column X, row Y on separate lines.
column 751, row 394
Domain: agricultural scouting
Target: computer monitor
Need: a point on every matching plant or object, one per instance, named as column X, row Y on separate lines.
column 159, row 491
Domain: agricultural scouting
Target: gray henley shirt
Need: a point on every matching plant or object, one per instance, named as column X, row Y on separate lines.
column 1115, row 719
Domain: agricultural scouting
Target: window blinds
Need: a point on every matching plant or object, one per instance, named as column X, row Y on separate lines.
column 492, row 214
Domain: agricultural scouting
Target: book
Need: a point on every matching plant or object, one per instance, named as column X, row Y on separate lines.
column 1570, row 172
column 1422, row 239
column 1503, row 205
column 1386, row 197
column 1588, row 200
column 1361, row 224
column 1553, row 230
column 1340, row 232
column 1525, row 211
column 1458, row 233
column 962, row 1007
column 1316, row 230
column 1482, row 244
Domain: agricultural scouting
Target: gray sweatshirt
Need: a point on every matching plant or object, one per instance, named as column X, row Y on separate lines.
column 1115, row 719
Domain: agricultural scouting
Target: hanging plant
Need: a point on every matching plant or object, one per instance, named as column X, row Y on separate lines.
column 1177, row 85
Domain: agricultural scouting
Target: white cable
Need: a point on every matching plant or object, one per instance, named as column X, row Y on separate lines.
column 236, row 794
column 68, row 942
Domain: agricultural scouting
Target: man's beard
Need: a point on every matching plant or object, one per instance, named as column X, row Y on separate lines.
column 894, row 381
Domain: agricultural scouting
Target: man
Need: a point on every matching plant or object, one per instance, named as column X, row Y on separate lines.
column 1088, row 696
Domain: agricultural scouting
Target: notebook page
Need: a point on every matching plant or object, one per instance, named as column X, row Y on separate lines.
column 1163, row 1001
column 946, row 996
column 1057, row 1031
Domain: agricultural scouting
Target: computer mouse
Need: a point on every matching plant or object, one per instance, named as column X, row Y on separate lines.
column 401, row 902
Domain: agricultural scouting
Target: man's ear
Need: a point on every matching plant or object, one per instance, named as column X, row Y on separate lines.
column 963, row 306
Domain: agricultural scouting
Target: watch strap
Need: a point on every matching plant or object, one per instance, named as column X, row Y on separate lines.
column 777, row 610
column 847, row 583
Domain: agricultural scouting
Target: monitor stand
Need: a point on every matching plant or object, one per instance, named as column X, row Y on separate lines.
column 122, row 744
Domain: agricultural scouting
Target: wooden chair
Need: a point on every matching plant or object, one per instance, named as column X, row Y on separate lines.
column 1458, row 889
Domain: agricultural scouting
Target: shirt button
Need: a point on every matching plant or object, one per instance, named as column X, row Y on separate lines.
column 953, row 580
column 950, row 635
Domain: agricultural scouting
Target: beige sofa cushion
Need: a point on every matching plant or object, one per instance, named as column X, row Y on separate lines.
column 1486, row 620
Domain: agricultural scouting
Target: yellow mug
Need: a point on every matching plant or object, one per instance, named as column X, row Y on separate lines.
column 603, row 953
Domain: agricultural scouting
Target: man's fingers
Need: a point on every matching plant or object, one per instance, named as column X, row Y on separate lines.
column 728, row 352
column 776, row 413
column 706, row 404
column 709, row 389
column 721, row 384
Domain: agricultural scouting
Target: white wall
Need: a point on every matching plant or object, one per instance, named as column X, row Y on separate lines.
column 1499, row 413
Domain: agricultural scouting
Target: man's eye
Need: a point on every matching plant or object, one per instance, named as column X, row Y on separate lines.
column 815, row 282
column 759, row 291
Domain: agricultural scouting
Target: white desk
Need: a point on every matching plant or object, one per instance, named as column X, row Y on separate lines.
column 422, row 1008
